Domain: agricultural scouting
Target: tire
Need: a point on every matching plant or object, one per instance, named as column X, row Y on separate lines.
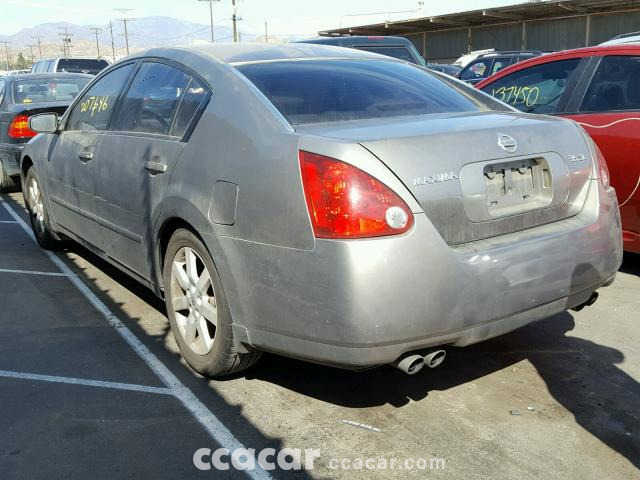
column 203, row 334
column 38, row 215
column 7, row 183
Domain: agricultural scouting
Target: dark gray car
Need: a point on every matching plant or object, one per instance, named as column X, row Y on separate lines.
column 323, row 203
column 22, row 96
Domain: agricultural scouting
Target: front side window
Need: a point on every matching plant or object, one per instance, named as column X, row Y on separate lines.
column 317, row 91
column 615, row 85
column 95, row 108
column 536, row 89
column 153, row 99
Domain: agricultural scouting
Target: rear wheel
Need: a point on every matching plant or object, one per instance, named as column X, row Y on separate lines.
column 38, row 214
column 197, row 309
column 7, row 183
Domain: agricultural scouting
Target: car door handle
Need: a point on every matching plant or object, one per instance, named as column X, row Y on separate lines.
column 155, row 167
column 85, row 156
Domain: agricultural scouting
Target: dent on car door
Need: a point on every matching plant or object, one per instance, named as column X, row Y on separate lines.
column 138, row 155
column 610, row 111
column 70, row 168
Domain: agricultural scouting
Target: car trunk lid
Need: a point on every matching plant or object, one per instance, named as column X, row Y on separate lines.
column 483, row 174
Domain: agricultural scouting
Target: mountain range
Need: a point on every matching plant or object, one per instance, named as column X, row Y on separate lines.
column 144, row 32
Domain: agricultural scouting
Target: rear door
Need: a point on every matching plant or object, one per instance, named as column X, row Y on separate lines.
column 609, row 109
column 72, row 162
column 137, row 157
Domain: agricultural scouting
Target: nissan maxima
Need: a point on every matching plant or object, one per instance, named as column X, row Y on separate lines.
column 321, row 203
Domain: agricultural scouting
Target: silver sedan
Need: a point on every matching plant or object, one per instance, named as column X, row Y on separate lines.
column 323, row 203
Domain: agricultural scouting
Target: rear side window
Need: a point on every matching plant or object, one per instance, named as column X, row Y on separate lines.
column 43, row 90
column 153, row 99
column 2, row 90
column 315, row 91
column 81, row 65
column 192, row 101
column 535, row 89
column 93, row 111
column 615, row 85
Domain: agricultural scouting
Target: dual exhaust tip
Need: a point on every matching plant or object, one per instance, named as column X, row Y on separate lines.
column 412, row 364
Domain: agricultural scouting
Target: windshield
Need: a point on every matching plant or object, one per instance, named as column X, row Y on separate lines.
column 81, row 65
column 50, row 89
column 316, row 91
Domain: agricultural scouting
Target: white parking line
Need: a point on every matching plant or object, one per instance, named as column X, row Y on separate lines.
column 84, row 382
column 216, row 429
column 36, row 272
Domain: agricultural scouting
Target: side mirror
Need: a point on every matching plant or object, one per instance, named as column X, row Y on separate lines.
column 44, row 123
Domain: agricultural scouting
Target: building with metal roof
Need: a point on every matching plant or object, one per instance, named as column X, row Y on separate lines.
column 534, row 25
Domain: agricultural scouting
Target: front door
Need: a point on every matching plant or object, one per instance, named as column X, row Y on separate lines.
column 610, row 113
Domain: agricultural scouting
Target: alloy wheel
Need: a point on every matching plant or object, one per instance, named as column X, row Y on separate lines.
column 193, row 301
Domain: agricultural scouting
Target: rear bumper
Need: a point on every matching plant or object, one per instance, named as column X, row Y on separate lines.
column 366, row 302
column 10, row 155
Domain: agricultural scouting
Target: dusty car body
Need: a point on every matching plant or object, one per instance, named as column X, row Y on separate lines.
column 268, row 196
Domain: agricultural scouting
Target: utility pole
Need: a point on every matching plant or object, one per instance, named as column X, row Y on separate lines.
column 113, row 45
column 66, row 41
column 235, row 21
column 211, row 15
column 39, row 43
column 97, row 31
column 6, row 49
column 33, row 59
column 124, row 21
column 266, row 32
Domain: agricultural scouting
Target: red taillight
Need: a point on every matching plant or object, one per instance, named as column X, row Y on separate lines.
column 345, row 202
column 19, row 128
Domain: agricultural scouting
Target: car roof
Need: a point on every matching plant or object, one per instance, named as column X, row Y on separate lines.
column 45, row 75
column 70, row 58
column 358, row 40
column 513, row 53
column 233, row 53
column 550, row 57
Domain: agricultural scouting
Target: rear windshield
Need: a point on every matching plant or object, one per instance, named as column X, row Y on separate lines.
column 402, row 53
column 318, row 91
column 81, row 65
column 47, row 90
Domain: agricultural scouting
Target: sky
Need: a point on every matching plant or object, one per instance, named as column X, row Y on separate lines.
column 284, row 17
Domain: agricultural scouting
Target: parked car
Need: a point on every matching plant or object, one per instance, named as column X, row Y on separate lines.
column 396, row 47
column 467, row 58
column 488, row 64
column 326, row 204
column 91, row 66
column 22, row 96
column 598, row 87
column 452, row 70
column 16, row 72
column 625, row 38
